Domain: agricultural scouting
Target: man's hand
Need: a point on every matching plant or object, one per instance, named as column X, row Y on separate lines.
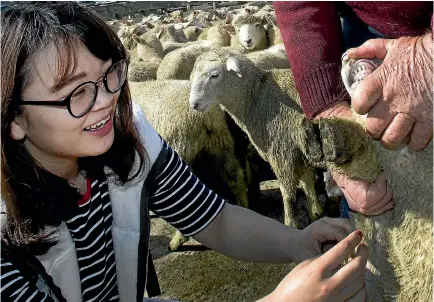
column 323, row 278
column 397, row 96
column 366, row 198
column 369, row 199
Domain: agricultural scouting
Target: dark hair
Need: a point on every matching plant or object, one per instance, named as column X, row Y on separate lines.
column 34, row 197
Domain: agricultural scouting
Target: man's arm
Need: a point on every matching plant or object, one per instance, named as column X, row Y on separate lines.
column 311, row 32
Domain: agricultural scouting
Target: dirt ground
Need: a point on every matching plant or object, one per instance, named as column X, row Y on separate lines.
column 195, row 273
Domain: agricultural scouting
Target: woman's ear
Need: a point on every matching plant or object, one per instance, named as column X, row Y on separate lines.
column 17, row 130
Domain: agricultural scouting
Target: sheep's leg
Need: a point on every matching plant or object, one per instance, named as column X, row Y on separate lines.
column 233, row 173
column 177, row 240
column 237, row 181
column 288, row 186
column 307, row 184
column 288, row 207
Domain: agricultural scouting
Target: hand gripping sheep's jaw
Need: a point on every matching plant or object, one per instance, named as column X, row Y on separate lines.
column 345, row 144
column 355, row 70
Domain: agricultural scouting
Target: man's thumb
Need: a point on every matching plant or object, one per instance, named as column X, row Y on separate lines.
column 375, row 48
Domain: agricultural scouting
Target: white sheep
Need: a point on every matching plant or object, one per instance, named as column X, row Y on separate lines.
column 250, row 33
column 400, row 241
column 125, row 34
column 146, row 58
column 179, row 63
column 196, row 137
column 265, row 105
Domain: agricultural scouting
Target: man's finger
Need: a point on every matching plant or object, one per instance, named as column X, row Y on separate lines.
column 340, row 252
column 397, row 130
column 351, row 277
column 384, row 205
column 367, row 93
column 420, row 136
column 379, row 118
column 374, row 48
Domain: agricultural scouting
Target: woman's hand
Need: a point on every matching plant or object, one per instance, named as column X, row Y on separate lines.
column 323, row 278
column 311, row 239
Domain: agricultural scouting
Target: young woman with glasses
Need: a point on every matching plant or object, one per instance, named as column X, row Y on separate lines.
column 82, row 168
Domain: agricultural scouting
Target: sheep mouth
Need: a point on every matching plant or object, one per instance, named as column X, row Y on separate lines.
column 200, row 107
column 249, row 46
column 359, row 70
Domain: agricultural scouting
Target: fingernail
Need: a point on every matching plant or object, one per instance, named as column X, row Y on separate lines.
column 359, row 233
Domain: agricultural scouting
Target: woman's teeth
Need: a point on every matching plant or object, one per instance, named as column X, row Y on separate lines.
column 97, row 125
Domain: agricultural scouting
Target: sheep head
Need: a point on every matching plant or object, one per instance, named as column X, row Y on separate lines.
column 215, row 79
column 251, row 31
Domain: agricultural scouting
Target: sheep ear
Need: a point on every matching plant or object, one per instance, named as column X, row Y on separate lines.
column 159, row 33
column 136, row 38
column 229, row 18
column 233, row 65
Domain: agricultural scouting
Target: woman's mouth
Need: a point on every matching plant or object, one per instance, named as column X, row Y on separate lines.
column 100, row 128
column 97, row 125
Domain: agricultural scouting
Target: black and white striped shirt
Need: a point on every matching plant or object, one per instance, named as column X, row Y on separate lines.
column 177, row 196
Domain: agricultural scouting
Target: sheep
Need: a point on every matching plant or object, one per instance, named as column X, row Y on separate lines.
column 192, row 32
column 168, row 33
column 219, row 34
column 273, row 31
column 126, row 33
column 194, row 136
column 271, row 58
column 178, row 64
column 146, row 58
column 265, row 104
column 400, row 241
column 148, row 47
column 250, row 33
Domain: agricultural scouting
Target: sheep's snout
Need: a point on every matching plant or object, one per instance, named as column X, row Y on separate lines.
column 198, row 106
column 248, row 42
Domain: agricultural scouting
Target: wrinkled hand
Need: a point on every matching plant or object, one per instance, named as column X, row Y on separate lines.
column 322, row 279
column 366, row 198
column 398, row 95
column 326, row 230
column 369, row 199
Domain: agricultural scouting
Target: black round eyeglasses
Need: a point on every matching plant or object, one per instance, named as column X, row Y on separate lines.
column 81, row 100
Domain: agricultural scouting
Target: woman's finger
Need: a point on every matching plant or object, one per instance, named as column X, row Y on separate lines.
column 339, row 253
column 351, row 277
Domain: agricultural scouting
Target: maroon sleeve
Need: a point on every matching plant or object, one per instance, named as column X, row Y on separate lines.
column 311, row 32
column 432, row 26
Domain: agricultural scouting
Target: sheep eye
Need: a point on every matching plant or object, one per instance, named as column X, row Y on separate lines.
column 214, row 76
column 257, row 24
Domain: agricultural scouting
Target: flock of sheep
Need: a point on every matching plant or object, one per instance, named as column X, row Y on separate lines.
column 200, row 77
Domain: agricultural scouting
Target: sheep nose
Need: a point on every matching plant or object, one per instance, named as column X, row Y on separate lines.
column 248, row 41
column 195, row 105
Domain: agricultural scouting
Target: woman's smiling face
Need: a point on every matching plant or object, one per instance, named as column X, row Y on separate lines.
column 51, row 132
